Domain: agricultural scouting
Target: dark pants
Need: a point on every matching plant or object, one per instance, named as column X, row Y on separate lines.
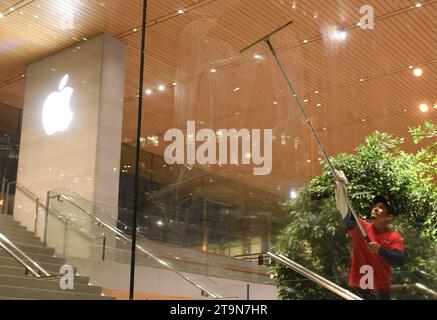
column 372, row 295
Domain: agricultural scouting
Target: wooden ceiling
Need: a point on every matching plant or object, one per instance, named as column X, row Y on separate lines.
column 352, row 87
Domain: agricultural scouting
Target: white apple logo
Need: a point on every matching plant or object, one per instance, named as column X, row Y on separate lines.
column 56, row 114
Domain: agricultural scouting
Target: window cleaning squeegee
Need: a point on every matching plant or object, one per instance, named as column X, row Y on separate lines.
column 339, row 182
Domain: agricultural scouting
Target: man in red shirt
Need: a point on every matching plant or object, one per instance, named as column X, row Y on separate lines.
column 370, row 273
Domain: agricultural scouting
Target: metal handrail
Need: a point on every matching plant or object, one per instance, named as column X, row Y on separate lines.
column 145, row 251
column 28, row 267
column 43, row 205
column 334, row 288
column 416, row 285
column 28, row 193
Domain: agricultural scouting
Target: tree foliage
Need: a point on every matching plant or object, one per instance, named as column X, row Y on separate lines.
column 317, row 238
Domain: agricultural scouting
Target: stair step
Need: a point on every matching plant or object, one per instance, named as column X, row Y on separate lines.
column 10, row 223
column 39, row 257
column 13, row 298
column 46, row 284
column 38, row 249
column 6, row 217
column 16, row 285
column 19, row 272
column 49, row 267
column 40, row 294
column 20, row 235
column 25, row 240
column 18, row 228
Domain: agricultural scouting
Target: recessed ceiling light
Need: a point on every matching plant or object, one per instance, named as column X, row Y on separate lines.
column 361, row 80
column 363, row 120
column 161, row 87
column 181, row 11
column 237, row 89
column 305, row 41
column 319, row 105
column 424, row 107
column 435, row 106
column 258, row 56
column 149, row 92
column 213, row 70
column 135, row 30
column 275, row 103
column 418, row 5
column 418, row 72
column 306, row 100
column 174, row 84
column 1, row 16
column 339, row 34
column 11, row 9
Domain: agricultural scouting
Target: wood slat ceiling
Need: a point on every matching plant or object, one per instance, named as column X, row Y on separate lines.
column 363, row 84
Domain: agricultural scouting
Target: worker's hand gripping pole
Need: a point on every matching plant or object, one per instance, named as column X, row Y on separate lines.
column 294, row 94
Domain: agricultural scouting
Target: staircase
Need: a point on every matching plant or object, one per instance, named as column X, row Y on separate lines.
column 16, row 285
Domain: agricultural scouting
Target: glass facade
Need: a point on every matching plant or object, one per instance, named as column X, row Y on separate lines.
column 242, row 144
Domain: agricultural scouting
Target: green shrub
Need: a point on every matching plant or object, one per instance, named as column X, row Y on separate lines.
column 317, row 238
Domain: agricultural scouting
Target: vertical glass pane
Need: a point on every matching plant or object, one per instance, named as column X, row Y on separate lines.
column 68, row 79
column 360, row 77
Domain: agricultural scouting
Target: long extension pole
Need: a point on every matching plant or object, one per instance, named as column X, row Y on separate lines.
column 137, row 156
column 294, row 94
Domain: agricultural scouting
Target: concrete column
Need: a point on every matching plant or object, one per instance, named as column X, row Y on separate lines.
column 72, row 128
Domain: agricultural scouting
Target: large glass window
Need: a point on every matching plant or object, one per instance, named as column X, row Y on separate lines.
column 265, row 126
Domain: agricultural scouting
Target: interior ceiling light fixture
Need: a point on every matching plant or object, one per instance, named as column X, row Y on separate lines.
column 339, row 34
column 424, row 107
column 418, row 72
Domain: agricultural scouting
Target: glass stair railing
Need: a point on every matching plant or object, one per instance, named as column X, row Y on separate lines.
column 88, row 218
column 321, row 281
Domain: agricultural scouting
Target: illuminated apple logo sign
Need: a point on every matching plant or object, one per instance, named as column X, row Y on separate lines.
column 56, row 113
